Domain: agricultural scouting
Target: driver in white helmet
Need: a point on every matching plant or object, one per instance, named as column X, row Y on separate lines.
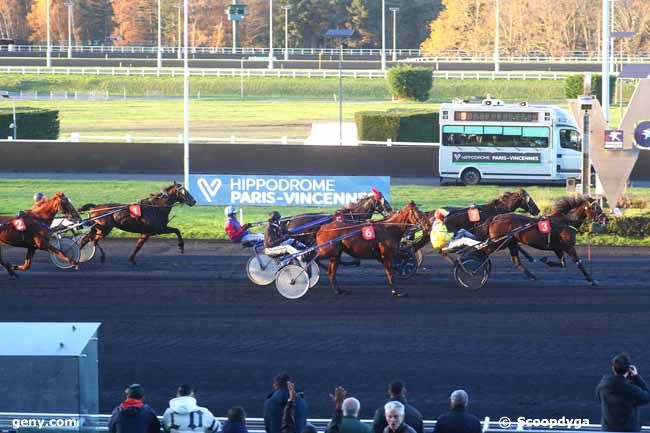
column 38, row 197
column 237, row 232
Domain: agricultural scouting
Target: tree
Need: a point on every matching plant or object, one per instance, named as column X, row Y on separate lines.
column 135, row 22
column 13, row 19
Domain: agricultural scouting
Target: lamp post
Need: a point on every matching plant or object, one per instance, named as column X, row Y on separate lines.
column 270, row 34
column 605, row 60
column 394, row 11
column 621, row 36
column 14, row 125
column 159, row 54
column 496, row 37
column 179, row 54
column 186, row 96
column 383, row 35
column 48, row 50
column 69, row 4
column 340, row 35
column 286, row 8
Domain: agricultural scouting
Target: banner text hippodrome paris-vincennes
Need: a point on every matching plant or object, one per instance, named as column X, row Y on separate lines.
column 322, row 191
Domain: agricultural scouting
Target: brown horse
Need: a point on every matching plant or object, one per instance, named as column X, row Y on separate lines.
column 153, row 219
column 31, row 230
column 568, row 215
column 383, row 247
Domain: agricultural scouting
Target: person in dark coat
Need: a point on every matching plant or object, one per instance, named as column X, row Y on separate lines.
column 620, row 396
column 457, row 420
column 274, row 407
column 412, row 417
column 236, row 422
column 394, row 412
column 132, row 415
column 346, row 414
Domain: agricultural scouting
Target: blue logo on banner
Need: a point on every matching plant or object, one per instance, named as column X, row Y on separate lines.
column 642, row 134
column 322, row 191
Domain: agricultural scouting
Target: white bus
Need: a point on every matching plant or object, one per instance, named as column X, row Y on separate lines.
column 506, row 142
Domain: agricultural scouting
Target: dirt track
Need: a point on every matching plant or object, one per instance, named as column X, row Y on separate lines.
column 520, row 348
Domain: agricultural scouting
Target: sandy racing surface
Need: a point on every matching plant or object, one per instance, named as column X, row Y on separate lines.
column 520, row 348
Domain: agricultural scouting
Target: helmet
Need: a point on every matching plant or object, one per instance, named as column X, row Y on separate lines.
column 229, row 210
column 38, row 197
column 441, row 214
column 274, row 216
column 376, row 193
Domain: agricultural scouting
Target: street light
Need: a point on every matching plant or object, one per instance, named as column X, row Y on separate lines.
column 340, row 35
column 48, row 50
column 186, row 97
column 159, row 58
column 14, row 125
column 180, row 33
column 286, row 8
column 69, row 4
column 496, row 38
column 270, row 34
column 621, row 36
column 383, row 35
column 605, row 60
column 394, row 11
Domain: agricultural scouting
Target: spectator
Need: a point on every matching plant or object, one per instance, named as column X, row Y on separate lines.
column 457, row 420
column 236, row 421
column 395, row 412
column 413, row 417
column 132, row 415
column 620, row 395
column 184, row 416
column 289, row 413
column 275, row 411
column 346, row 414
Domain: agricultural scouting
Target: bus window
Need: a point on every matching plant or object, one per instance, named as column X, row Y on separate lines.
column 491, row 136
column 569, row 139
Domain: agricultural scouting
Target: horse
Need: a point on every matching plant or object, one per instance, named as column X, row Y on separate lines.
column 153, row 218
column 384, row 246
column 566, row 218
column 358, row 211
column 30, row 229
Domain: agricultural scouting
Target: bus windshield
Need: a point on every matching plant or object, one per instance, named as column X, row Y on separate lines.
column 495, row 136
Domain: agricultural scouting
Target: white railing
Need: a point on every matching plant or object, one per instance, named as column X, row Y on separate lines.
column 99, row 423
column 275, row 73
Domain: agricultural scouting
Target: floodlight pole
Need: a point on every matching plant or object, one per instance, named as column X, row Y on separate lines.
column 341, row 93
column 286, row 8
column 186, row 97
column 48, row 50
column 394, row 11
column 180, row 33
column 605, row 59
column 69, row 4
column 497, row 37
column 159, row 55
column 383, row 35
column 270, row 34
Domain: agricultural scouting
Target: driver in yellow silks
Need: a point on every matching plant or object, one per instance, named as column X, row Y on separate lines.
column 443, row 240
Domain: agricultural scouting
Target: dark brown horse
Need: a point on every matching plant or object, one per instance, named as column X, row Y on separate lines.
column 31, row 230
column 566, row 218
column 153, row 218
column 383, row 247
column 358, row 211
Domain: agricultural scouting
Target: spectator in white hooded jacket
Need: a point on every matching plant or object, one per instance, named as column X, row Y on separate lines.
column 184, row 416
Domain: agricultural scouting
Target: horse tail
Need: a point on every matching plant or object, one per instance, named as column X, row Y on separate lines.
column 87, row 207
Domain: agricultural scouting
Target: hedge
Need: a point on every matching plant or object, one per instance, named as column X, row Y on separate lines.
column 398, row 125
column 406, row 82
column 573, row 86
column 32, row 124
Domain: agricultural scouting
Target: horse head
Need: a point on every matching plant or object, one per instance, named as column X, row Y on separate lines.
column 48, row 208
column 594, row 211
column 520, row 199
column 179, row 194
column 579, row 208
column 375, row 202
column 411, row 214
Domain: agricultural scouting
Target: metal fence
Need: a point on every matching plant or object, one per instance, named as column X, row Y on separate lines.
column 275, row 73
column 99, row 423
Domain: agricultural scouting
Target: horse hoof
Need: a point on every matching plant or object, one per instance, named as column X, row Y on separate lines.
column 398, row 294
column 342, row 292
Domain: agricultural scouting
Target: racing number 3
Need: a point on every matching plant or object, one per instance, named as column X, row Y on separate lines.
column 368, row 233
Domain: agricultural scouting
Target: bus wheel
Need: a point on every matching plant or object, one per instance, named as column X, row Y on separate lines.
column 470, row 176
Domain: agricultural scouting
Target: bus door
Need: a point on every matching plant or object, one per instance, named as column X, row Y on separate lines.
column 569, row 152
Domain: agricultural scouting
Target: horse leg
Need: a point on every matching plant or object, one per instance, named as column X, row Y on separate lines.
column 28, row 260
column 138, row 245
column 514, row 255
column 553, row 264
column 7, row 266
column 526, row 255
column 181, row 243
column 95, row 236
column 46, row 246
column 387, row 261
column 331, row 274
column 574, row 255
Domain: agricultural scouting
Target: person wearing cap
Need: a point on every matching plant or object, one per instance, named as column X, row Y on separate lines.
column 38, row 197
column 443, row 240
column 284, row 412
column 184, row 416
column 237, row 232
column 133, row 415
column 277, row 240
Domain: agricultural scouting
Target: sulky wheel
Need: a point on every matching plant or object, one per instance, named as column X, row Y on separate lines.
column 69, row 247
column 472, row 273
column 88, row 251
column 406, row 264
column 314, row 274
column 292, row 282
column 261, row 269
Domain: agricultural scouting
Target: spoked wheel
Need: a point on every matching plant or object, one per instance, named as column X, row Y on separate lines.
column 69, row 247
column 292, row 282
column 261, row 269
column 314, row 274
column 406, row 264
column 88, row 251
column 472, row 273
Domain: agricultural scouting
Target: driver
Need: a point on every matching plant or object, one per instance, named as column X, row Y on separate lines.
column 237, row 232
column 38, row 197
column 277, row 240
column 444, row 241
